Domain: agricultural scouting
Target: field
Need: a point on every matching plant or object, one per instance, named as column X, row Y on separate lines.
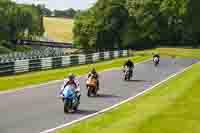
column 170, row 108
column 59, row 29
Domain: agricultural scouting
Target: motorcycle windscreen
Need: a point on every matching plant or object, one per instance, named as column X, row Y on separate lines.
column 68, row 92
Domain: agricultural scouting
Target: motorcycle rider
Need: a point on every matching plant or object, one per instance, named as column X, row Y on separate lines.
column 71, row 80
column 94, row 73
column 130, row 65
column 156, row 56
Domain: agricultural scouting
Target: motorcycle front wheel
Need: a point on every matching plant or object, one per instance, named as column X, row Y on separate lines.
column 67, row 105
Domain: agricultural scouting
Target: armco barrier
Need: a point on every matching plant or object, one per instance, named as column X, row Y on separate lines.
column 89, row 58
column 95, row 57
column 74, row 60
column 35, row 65
column 65, row 61
column 46, row 63
column 21, row 66
column 28, row 65
column 7, row 68
column 56, row 62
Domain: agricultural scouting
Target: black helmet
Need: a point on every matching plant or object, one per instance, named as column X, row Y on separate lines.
column 93, row 70
column 155, row 53
column 71, row 76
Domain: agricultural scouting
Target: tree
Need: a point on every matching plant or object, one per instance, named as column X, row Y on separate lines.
column 194, row 19
column 18, row 19
column 85, row 30
column 115, row 19
column 69, row 13
column 101, row 25
column 45, row 11
column 137, row 23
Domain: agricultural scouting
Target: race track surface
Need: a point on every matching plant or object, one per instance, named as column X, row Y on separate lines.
column 36, row 109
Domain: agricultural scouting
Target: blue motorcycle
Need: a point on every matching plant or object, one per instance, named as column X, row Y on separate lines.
column 70, row 99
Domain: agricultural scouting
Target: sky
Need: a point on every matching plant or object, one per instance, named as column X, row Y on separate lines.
column 61, row 4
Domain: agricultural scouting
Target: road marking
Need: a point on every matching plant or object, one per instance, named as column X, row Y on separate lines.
column 118, row 104
column 56, row 81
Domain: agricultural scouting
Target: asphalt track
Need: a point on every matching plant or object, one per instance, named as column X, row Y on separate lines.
column 37, row 108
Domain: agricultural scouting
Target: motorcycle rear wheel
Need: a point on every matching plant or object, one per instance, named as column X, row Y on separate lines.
column 67, row 106
column 89, row 92
column 156, row 63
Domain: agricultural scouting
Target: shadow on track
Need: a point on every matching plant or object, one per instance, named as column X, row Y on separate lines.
column 106, row 96
column 136, row 80
column 82, row 112
column 85, row 112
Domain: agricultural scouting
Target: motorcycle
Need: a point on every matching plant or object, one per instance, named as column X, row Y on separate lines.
column 156, row 61
column 70, row 99
column 91, row 85
column 127, row 74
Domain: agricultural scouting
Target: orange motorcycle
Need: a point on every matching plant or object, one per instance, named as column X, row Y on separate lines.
column 91, row 85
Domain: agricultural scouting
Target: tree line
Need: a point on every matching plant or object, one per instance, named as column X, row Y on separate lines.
column 138, row 24
column 68, row 13
column 18, row 21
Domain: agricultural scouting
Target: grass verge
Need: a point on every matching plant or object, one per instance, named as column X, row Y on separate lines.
column 173, row 52
column 12, row 82
column 171, row 107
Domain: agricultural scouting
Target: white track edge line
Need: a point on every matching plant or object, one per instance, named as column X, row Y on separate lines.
column 56, row 81
column 118, row 104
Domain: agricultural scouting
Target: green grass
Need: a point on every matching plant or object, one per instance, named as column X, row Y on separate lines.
column 173, row 52
column 12, row 82
column 172, row 107
column 4, row 50
column 59, row 29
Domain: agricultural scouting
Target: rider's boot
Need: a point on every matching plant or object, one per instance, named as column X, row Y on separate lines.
column 98, row 85
column 79, row 97
column 131, row 73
